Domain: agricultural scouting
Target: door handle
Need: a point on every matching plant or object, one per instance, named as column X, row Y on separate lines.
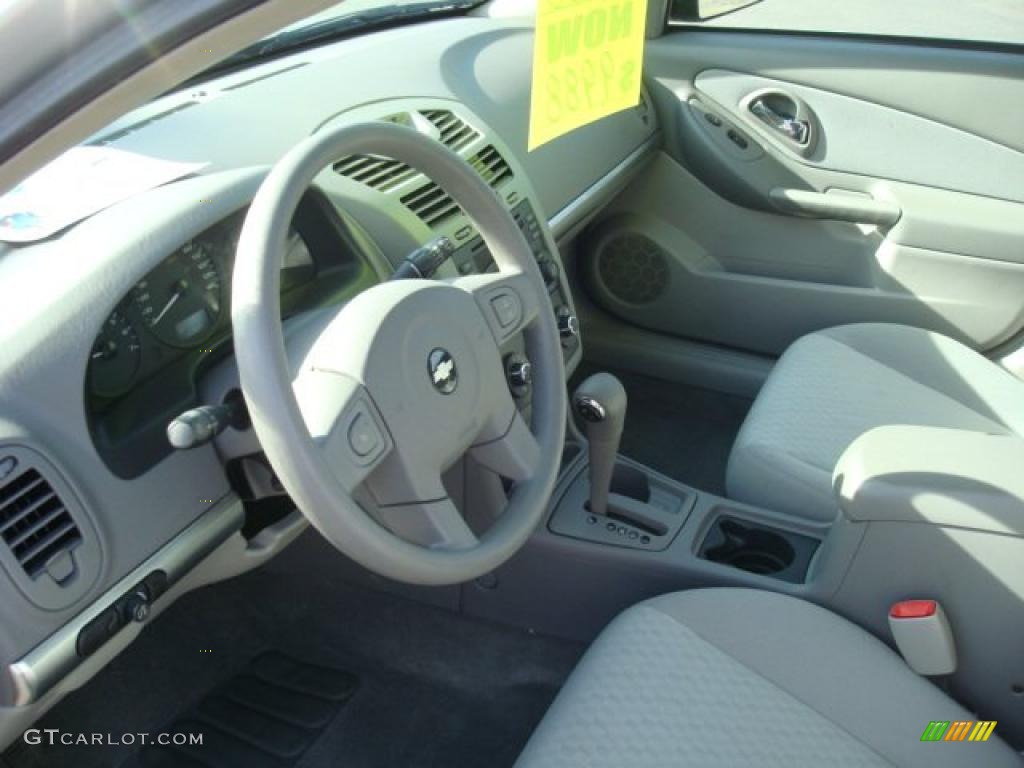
column 798, row 131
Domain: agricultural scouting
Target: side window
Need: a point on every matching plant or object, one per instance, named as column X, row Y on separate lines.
column 985, row 21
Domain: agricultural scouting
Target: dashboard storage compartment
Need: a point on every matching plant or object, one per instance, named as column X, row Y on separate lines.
column 759, row 549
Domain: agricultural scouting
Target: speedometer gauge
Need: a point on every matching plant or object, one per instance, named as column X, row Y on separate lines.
column 180, row 301
column 115, row 357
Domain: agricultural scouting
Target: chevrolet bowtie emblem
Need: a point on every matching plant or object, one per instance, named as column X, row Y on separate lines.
column 443, row 371
column 443, row 374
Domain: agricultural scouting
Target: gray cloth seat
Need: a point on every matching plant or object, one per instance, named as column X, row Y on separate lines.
column 832, row 386
column 738, row 677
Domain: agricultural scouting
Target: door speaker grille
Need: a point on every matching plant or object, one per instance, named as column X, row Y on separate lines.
column 633, row 268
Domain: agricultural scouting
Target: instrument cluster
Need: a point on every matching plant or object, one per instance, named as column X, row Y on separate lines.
column 177, row 309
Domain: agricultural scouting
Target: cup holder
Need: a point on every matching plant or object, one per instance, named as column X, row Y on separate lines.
column 757, row 549
column 755, row 562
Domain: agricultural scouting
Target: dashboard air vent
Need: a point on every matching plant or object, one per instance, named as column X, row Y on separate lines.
column 34, row 523
column 432, row 204
column 455, row 132
column 491, row 166
column 381, row 173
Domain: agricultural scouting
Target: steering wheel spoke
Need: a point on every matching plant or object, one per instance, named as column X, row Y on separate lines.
column 434, row 524
column 508, row 300
column 514, row 455
column 344, row 424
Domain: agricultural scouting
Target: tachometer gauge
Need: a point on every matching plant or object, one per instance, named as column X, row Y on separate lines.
column 115, row 357
column 180, row 301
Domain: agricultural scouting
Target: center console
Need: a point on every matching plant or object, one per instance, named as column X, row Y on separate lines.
column 618, row 532
column 611, row 501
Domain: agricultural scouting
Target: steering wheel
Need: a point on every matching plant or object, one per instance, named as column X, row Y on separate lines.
column 403, row 380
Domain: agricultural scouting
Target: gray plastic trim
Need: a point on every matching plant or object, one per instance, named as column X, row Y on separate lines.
column 48, row 663
column 600, row 192
column 835, row 205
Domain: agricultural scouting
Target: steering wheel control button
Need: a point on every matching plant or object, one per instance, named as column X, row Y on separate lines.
column 362, row 435
column 365, row 436
column 443, row 373
column 506, row 309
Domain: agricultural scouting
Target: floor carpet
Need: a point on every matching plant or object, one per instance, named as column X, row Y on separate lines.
column 681, row 431
column 433, row 688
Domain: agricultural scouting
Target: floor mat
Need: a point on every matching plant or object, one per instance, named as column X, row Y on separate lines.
column 682, row 431
column 266, row 717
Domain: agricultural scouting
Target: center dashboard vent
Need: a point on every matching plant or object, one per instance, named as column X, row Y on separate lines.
column 34, row 523
column 491, row 166
column 455, row 132
column 434, row 206
column 381, row 173
column 385, row 174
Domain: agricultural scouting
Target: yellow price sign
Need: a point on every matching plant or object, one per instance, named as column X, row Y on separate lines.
column 587, row 62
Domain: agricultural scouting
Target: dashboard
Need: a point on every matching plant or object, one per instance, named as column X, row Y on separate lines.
column 120, row 323
column 174, row 324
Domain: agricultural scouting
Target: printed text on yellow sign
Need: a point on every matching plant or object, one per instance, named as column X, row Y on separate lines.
column 587, row 62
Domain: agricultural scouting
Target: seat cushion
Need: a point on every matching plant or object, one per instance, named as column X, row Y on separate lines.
column 832, row 386
column 737, row 677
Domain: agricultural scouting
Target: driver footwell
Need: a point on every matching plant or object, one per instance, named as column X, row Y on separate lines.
column 267, row 716
column 398, row 683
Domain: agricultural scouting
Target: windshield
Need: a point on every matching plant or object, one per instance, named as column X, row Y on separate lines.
column 88, row 178
column 348, row 8
column 348, row 17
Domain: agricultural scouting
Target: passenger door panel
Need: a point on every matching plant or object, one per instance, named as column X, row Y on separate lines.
column 902, row 206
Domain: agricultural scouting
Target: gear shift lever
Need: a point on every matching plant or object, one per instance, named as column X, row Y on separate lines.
column 600, row 402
